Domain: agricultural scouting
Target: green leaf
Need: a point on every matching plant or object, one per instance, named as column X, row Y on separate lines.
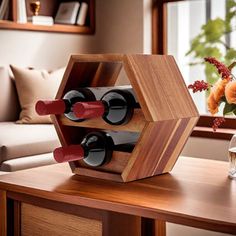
column 212, row 52
column 211, row 74
column 209, row 42
column 229, row 109
column 214, row 29
column 230, row 55
column 230, row 4
column 194, row 44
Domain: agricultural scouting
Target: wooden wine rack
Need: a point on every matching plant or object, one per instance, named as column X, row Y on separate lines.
column 164, row 121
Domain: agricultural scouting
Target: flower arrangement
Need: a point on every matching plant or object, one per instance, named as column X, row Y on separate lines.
column 223, row 91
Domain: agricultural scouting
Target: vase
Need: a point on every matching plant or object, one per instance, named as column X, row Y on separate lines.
column 232, row 157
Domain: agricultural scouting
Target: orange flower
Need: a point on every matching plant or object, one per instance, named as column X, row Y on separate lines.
column 230, row 92
column 219, row 89
column 216, row 94
column 212, row 103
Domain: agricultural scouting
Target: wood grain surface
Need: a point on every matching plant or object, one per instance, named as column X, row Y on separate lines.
column 136, row 124
column 116, row 165
column 160, row 87
column 3, row 213
column 158, row 148
column 113, row 223
column 197, row 192
column 106, row 72
column 17, row 218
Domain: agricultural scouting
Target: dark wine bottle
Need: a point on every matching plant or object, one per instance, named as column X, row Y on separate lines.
column 116, row 107
column 95, row 150
column 60, row 106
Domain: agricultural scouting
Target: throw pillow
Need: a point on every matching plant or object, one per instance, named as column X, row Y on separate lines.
column 33, row 85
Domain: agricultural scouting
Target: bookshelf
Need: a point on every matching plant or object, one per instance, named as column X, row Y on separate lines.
column 49, row 8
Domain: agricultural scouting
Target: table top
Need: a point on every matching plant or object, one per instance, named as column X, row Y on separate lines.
column 197, row 192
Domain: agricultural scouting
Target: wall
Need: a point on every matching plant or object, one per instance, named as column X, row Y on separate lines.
column 122, row 26
column 119, row 28
column 39, row 49
column 216, row 149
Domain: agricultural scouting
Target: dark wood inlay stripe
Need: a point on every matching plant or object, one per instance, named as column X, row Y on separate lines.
column 172, row 145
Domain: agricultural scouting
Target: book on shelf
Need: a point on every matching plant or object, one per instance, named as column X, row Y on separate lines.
column 41, row 20
column 67, row 13
column 7, row 13
column 4, row 8
column 82, row 14
column 21, row 12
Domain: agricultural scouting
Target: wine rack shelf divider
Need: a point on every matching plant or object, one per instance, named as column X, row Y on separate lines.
column 165, row 120
column 136, row 124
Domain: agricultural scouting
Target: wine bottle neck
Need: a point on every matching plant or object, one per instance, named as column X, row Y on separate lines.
column 86, row 110
column 48, row 107
column 70, row 153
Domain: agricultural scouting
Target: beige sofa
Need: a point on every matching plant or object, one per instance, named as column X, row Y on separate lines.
column 22, row 146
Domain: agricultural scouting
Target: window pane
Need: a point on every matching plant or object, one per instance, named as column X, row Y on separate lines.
column 185, row 19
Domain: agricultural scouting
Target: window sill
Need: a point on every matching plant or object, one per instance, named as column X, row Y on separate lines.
column 204, row 128
column 207, row 132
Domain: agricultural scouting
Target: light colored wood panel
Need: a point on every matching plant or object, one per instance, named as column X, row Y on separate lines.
column 3, row 213
column 160, row 142
column 106, row 74
column 39, row 221
column 181, row 142
column 159, row 86
column 98, row 174
column 117, row 164
column 136, row 124
column 149, row 149
column 97, row 57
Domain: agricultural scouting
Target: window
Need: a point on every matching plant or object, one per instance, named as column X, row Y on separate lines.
column 175, row 24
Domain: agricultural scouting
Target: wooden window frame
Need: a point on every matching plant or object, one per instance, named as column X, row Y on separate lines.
column 159, row 46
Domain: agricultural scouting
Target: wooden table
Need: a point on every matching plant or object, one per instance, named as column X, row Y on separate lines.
column 48, row 200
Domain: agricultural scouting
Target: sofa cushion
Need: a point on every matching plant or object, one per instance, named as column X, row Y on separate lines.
column 10, row 108
column 27, row 162
column 17, row 140
column 3, row 172
column 33, row 85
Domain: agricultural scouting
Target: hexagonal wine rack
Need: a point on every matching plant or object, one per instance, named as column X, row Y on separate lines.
column 165, row 119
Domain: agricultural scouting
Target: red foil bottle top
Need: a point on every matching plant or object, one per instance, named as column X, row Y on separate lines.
column 70, row 153
column 55, row 107
column 85, row 110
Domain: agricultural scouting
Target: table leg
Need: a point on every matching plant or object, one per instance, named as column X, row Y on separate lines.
column 3, row 213
column 151, row 227
column 160, row 227
column 17, row 219
column 117, row 224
